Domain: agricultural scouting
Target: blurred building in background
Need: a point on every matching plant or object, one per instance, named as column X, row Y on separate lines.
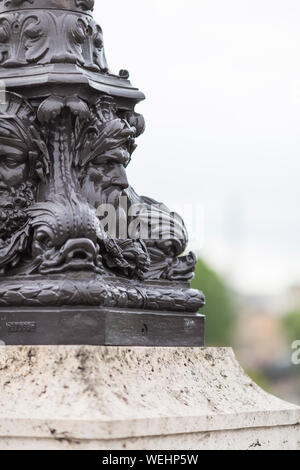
column 261, row 328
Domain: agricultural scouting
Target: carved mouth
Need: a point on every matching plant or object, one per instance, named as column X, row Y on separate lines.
column 75, row 255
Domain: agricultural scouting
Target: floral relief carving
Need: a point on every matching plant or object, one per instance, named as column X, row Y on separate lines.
column 16, row 3
column 48, row 37
column 84, row 5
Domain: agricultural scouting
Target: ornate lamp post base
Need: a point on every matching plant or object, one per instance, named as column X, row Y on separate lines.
column 100, row 326
column 96, row 311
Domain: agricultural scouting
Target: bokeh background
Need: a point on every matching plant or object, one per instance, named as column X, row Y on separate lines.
column 222, row 80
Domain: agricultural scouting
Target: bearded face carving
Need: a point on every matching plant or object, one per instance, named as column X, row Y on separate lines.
column 16, row 184
column 104, row 151
column 105, row 178
column 21, row 161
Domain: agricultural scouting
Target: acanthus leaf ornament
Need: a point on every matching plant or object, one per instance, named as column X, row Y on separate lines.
column 16, row 3
column 48, row 37
column 80, row 5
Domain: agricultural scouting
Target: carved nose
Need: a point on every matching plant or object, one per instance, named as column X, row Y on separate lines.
column 120, row 177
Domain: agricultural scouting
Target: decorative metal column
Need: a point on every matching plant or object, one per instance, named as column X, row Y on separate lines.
column 67, row 133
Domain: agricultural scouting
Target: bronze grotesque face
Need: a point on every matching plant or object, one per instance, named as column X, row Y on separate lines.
column 14, row 150
column 104, row 152
column 106, row 178
column 13, row 167
column 17, row 191
column 22, row 163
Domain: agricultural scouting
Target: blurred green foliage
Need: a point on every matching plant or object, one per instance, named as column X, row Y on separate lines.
column 259, row 377
column 291, row 323
column 219, row 310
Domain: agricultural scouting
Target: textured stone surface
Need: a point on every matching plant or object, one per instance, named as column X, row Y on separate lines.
column 137, row 398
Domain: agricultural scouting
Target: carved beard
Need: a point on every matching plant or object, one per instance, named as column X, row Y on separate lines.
column 13, row 201
column 96, row 195
column 111, row 196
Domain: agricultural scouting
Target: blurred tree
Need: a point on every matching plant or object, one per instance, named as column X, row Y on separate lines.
column 219, row 310
column 291, row 323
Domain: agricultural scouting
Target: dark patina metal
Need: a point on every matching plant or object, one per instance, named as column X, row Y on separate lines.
column 67, row 132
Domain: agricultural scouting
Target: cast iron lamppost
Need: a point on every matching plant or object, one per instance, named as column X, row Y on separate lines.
column 67, row 132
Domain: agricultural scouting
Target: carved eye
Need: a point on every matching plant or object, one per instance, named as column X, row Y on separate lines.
column 44, row 239
column 85, row 4
column 109, row 165
column 11, row 162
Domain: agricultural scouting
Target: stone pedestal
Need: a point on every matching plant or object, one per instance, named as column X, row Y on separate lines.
column 85, row 397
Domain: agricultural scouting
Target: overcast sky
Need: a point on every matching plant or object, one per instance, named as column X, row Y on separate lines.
column 222, row 80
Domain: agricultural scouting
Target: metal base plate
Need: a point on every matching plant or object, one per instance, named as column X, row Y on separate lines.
column 99, row 327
